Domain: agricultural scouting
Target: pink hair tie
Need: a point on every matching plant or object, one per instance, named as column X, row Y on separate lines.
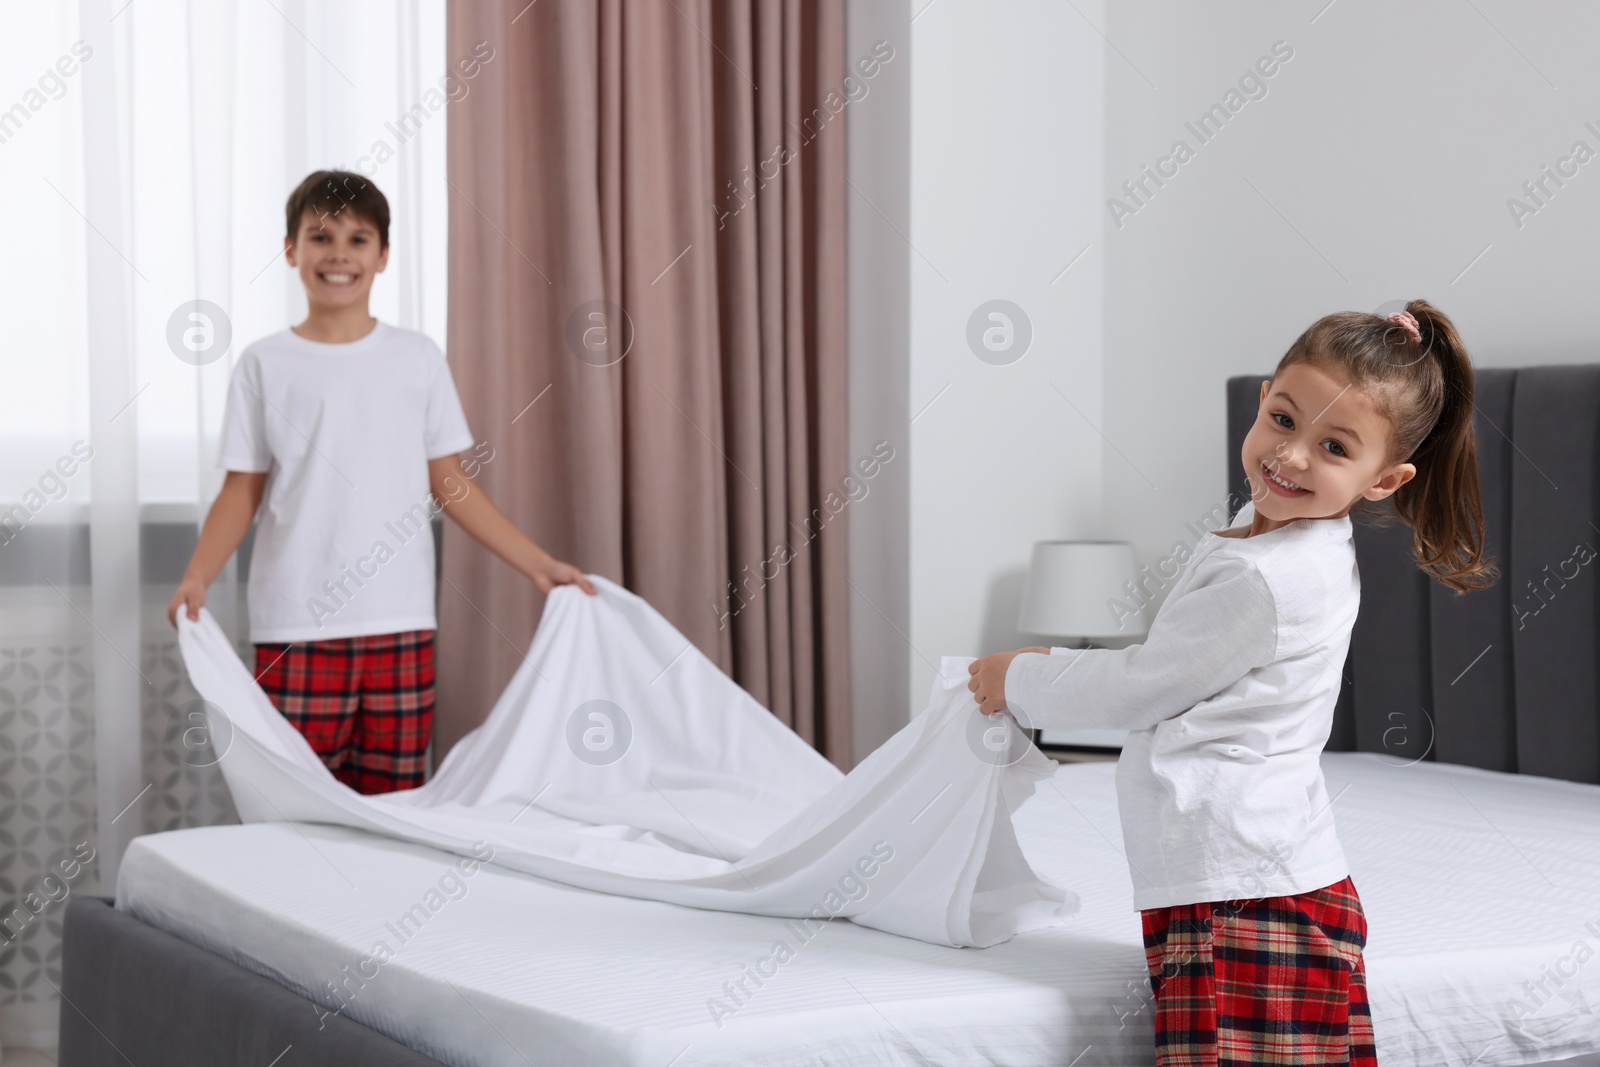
column 1408, row 322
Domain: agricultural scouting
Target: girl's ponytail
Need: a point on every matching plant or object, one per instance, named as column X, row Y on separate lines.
column 1442, row 503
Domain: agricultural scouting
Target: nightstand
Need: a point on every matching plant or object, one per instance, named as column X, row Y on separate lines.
column 1078, row 753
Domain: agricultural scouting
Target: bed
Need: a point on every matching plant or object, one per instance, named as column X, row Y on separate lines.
column 1465, row 764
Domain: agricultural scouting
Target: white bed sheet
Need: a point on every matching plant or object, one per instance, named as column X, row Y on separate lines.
column 1474, row 884
column 621, row 759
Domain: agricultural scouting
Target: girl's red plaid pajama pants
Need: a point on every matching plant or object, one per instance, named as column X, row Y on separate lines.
column 364, row 703
column 1274, row 980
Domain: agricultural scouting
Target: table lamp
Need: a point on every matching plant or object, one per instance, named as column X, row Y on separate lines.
column 1079, row 590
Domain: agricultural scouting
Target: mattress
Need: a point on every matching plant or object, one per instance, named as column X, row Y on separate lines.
column 1479, row 887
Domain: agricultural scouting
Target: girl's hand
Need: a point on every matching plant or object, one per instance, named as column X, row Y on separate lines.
column 551, row 572
column 988, row 682
column 191, row 596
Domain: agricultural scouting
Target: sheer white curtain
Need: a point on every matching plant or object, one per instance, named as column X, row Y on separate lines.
column 146, row 150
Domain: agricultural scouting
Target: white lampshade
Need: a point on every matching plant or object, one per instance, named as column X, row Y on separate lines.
column 1077, row 589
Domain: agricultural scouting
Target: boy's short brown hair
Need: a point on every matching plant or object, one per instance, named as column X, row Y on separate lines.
column 328, row 192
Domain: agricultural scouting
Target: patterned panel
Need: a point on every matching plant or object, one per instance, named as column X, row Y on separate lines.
column 47, row 785
column 47, row 808
column 179, row 755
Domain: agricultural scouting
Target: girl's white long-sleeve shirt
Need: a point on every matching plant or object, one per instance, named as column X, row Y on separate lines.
column 1229, row 701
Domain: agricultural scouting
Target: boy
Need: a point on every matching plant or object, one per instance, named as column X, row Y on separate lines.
column 346, row 425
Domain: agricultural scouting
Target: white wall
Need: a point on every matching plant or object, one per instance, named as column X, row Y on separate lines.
column 1007, row 128
column 1376, row 168
column 877, row 206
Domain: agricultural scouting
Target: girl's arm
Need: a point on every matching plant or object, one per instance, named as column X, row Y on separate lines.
column 471, row 507
column 1198, row 645
column 226, row 524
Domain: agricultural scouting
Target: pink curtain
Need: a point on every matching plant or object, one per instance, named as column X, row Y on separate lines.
column 647, row 327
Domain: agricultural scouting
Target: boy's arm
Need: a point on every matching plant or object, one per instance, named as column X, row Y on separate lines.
column 471, row 507
column 226, row 525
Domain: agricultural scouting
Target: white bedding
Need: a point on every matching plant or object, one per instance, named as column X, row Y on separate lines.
column 620, row 759
column 1474, row 883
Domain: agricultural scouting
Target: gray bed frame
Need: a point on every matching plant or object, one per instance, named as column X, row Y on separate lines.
column 1505, row 678
column 132, row 994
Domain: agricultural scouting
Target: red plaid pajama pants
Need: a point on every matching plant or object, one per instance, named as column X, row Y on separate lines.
column 1275, row 980
column 364, row 703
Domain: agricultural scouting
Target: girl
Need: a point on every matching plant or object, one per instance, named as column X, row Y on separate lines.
column 1252, row 928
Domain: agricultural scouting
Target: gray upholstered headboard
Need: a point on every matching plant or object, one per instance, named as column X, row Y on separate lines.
column 1506, row 678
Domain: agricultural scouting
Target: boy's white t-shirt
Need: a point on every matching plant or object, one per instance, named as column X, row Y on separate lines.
column 344, row 544
column 1229, row 701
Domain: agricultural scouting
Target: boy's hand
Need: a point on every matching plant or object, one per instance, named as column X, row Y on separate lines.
column 191, row 595
column 988, row 682
column 551, row 572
